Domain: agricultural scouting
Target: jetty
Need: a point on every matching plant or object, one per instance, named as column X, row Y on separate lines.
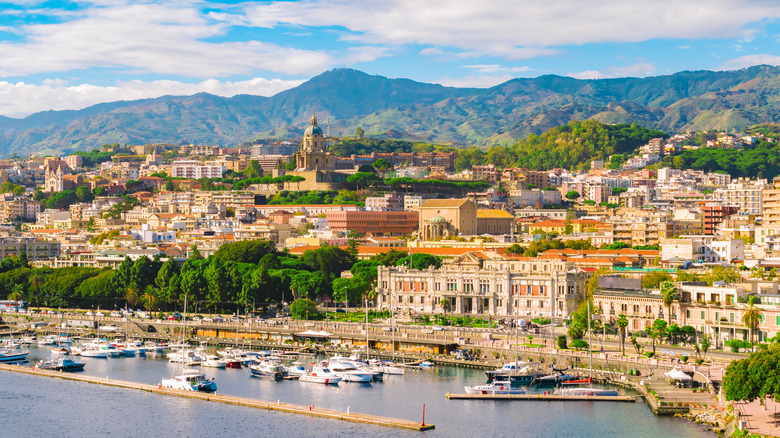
column 542, row 397
column 312, row 411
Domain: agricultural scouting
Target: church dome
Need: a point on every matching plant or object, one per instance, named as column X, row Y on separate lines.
column 313, row 129
column 438, row 220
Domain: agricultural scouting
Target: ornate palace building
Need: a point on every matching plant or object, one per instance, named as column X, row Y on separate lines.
column 486, row 284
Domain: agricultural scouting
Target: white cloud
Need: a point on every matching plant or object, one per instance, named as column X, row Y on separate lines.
column 21, row 99
column 515, row 30
column 495, row 68
column 749, row 61
column 640, row 69
column 165, row 38
column 474, row 81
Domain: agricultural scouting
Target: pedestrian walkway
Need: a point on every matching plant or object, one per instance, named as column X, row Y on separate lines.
column 763, row 420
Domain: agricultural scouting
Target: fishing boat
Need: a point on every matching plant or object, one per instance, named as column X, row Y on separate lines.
column 501, row 387
column 321, row 375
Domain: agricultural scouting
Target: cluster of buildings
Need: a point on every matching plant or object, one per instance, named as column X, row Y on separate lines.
column 667, row 219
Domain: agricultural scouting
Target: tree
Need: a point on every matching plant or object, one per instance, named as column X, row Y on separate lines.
column 515, row 248
column 562, row 342
column 653, row 279
column 363, row 179
column 755, row 377
column 169, row 186
column 84, row 194
column 752, row 317
column 131, row 294
column 668, row 294
column 382, row 165
column 622, row 324
column 579, row 344
column 572, row 195
column 705, row 344
column 149, row 298
column 360, row 132
column 636, row 344
column 253, row 170
column 23, row 262
column 303, row 308
column 656, row 331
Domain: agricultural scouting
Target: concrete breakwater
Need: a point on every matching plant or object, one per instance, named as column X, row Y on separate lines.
column 232, row 400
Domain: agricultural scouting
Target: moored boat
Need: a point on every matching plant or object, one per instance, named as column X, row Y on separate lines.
column 63, row 364
column 270, row 369
column 190, row 380
column 596, row 392
column 321, row 375
column 503, row 387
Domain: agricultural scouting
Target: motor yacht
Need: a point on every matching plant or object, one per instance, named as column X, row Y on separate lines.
column 319, row 374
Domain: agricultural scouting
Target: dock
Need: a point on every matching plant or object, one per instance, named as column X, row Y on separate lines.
column 229, row 399
column 542, row 397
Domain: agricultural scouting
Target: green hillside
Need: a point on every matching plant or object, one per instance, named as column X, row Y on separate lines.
column 401, row 109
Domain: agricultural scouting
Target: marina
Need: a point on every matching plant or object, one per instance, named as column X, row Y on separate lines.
column 397, row 397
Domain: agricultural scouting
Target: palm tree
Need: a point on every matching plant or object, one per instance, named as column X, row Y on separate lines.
column 622, row 324
column 668, row 294
column 149, row 298
column 36, row 280
column 752, row 317
column 131, row 294
column 445, row 305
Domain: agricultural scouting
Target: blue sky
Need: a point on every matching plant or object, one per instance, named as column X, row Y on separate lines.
column 69, row 55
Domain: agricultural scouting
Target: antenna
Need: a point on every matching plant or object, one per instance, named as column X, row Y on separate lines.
column 327, row 131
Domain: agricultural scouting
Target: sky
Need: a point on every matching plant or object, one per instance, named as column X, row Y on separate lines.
column 69, row 55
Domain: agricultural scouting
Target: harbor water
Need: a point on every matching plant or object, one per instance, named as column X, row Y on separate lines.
column 40, row 406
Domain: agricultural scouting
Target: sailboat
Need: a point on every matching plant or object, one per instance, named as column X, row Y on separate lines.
column 517, row 372
column 590, row 391
column 557, row 376
column 190, row 379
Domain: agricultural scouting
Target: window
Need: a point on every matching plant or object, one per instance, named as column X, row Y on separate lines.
column 702, row 314
column 688, row 314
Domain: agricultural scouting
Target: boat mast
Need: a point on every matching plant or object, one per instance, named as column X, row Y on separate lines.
column 367, row 355
column 552, row 326
column 590, row 346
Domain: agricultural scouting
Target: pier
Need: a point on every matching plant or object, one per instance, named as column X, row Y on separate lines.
column 232, row 400
column 542, row 397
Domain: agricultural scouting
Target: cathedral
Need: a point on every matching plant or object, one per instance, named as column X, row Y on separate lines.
column 314, row 154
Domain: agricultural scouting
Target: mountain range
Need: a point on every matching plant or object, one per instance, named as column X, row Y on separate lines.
column 344, row 99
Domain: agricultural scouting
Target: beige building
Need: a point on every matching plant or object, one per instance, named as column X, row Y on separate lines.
column 498, row 287
column 494, row 222
column 460, row 213
column 771, row 208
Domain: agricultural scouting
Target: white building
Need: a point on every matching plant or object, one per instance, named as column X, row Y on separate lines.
column 193, row 169
column 746, row 194
column 702, row 248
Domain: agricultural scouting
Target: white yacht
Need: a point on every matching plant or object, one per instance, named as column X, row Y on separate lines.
column 188, row 356
column 494, row 388
column 320, row 374
column 348, row 371
column 586, row 392
column 190, row 380
column 214, row 362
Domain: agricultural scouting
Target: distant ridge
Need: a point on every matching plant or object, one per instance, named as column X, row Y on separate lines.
column 402, row 108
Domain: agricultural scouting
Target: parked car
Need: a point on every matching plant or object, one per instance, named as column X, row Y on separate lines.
column 437, row 328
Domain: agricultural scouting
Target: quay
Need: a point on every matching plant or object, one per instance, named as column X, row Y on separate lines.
column 232, row 400
column 542, row 397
